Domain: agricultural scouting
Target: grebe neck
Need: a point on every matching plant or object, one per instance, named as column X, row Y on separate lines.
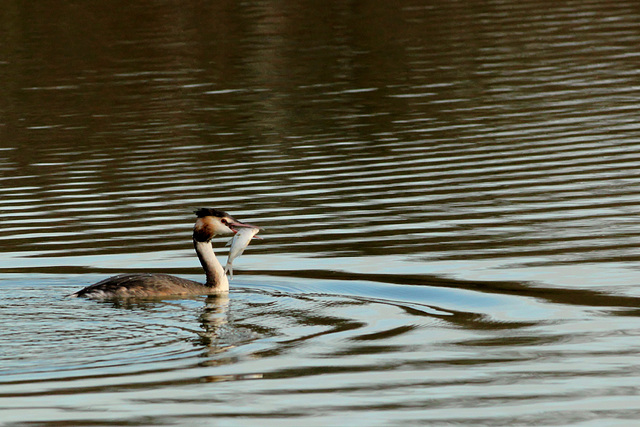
column 216, row 278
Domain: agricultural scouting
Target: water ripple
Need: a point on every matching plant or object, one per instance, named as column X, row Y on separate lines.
column 450, row 213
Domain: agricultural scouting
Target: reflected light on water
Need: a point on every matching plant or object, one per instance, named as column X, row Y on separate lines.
column 448, row 192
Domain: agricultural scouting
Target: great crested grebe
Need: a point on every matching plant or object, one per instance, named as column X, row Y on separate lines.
column 210, row 223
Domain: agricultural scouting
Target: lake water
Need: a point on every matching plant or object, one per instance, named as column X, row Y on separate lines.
column 450, row 193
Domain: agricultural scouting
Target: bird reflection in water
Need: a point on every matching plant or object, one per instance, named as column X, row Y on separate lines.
column 218, row 337
column 214, row 316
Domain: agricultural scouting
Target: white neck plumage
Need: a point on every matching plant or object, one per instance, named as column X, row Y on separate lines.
column 216, row 279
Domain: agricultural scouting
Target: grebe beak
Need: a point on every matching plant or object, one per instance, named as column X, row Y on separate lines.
column 234, row 225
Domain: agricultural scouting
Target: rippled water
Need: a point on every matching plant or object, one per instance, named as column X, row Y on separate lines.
column 449, row 192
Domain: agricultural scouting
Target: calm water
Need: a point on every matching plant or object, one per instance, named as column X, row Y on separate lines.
column 450, row 193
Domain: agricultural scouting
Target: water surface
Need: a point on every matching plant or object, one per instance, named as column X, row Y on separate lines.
column 449, row 193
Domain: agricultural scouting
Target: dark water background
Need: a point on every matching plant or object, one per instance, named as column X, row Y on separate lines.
column 450, row 193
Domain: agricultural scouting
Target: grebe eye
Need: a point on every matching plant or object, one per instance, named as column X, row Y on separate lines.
column 224, row 221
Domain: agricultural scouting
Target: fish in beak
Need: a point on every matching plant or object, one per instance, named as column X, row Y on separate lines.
column 236, row 226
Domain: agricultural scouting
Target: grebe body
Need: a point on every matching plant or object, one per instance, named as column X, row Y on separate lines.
column 210, row 223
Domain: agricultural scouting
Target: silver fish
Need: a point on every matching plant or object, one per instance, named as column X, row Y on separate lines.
column 238, row 244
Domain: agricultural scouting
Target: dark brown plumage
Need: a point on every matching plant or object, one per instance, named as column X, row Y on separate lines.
column 203, row 212
column 140, row 285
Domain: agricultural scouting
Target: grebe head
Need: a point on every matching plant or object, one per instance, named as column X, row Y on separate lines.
column 213, row 222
